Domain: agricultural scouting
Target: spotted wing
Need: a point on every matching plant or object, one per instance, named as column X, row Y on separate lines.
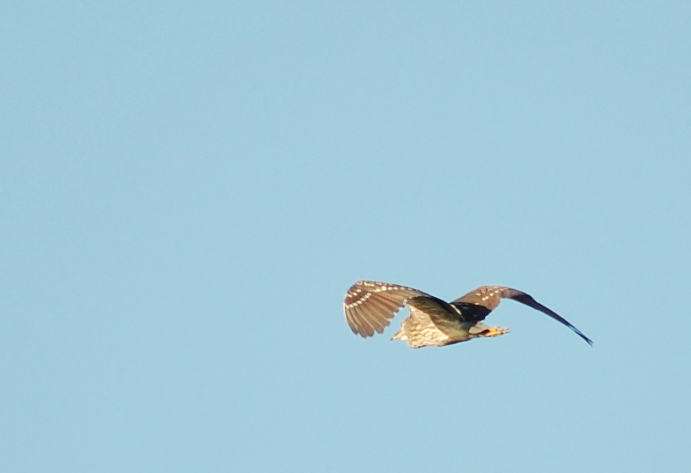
column 369, row 306
column 485, row 296
column 490, row 296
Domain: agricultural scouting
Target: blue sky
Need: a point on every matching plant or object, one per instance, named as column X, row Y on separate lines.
column 187, row 190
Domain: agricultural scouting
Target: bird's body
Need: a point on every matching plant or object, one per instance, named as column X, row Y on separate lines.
column 369, row 307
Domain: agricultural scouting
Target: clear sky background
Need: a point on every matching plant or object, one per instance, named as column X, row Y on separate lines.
column 187, row 190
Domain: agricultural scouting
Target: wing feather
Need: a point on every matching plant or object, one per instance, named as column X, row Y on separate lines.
column 438, row 311
column 362, row 323
column 490, row 296
column 528, row 300
column 369, row 306
column 486, row 296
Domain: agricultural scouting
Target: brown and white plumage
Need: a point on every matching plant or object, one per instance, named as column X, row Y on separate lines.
column 370, row 306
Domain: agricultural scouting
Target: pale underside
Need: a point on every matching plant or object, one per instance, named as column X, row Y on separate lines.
column 420, row 330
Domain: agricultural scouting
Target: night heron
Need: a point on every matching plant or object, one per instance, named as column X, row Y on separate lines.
column 369, row 307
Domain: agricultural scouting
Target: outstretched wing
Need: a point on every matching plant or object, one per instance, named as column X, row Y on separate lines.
column 490, row 296
column 369, row 306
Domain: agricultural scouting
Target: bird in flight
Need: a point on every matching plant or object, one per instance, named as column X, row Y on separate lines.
column 369, row 307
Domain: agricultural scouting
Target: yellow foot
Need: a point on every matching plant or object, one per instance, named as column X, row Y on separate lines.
column 494, row 332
